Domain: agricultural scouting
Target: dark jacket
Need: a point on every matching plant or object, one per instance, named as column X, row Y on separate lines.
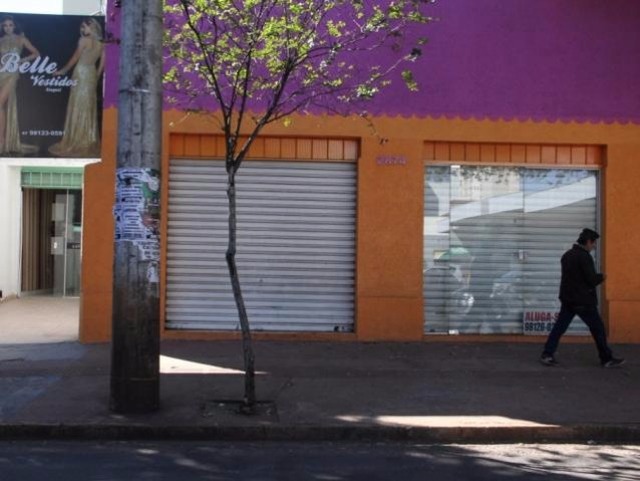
column 579, row 278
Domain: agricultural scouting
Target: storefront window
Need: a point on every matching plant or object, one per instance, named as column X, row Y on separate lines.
column 493, row 241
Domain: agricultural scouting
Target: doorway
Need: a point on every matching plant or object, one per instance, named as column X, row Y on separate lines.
column 51, row 241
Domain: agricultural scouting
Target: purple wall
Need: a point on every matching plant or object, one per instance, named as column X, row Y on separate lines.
column 517, row 59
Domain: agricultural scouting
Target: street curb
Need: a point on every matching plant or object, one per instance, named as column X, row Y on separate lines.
column 600, row 434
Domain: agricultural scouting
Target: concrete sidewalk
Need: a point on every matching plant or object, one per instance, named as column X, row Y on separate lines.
column 39, row 320
column 432, row 392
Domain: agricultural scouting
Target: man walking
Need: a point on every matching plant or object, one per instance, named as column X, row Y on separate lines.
column 578, row 297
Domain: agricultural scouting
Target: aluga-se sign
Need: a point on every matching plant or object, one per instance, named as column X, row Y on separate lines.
column 538, row 322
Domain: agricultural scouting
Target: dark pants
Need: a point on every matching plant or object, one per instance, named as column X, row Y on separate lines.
column 591, row 317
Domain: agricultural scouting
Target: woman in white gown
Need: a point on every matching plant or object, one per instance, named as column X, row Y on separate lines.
column 12, row 44
column 81, row 137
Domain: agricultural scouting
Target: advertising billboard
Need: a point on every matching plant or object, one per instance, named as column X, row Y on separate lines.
column 51, row 70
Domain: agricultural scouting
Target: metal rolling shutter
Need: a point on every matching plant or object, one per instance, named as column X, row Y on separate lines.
column 493, row 241
column 296, row 246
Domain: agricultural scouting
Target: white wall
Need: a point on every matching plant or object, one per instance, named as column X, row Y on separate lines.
column 10, row 215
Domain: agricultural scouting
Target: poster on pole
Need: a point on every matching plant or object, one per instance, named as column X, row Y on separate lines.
column 51, row 70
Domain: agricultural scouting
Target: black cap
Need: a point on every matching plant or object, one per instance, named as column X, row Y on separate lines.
column 587, row 235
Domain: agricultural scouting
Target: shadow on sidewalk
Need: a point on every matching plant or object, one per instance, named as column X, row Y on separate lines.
column 408, row 384
column 339, row 386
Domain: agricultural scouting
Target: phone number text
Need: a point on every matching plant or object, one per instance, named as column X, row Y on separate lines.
column 44, row 133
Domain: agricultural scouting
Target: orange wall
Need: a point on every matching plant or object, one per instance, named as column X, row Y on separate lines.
column 389, row 248
column 97, row 239
column 390, row 203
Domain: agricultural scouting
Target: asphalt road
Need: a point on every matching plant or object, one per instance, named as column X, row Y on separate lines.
column 216, row 461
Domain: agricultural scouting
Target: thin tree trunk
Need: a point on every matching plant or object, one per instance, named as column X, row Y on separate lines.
column 249, row 359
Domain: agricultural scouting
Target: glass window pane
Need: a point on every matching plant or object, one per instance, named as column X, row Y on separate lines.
column 437, row 274
column 558, row 205
column 487, row 223
column 493, row 238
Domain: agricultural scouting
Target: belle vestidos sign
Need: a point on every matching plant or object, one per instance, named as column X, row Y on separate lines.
column 51, row 70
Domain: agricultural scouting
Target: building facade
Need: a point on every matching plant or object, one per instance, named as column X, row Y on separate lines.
column 445, row 223
column 41, row 192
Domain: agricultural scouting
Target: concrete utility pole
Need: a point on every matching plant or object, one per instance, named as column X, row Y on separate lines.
column 135, row 355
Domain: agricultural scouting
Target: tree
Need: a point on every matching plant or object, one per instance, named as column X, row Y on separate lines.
column 263, row 60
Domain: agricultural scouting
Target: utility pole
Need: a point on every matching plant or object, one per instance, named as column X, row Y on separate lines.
column 135, row 353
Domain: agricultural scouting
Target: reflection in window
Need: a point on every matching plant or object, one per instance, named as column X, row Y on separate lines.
column 493, row 240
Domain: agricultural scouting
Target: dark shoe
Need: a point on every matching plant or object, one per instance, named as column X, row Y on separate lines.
column 613, row 362
column 547, row 360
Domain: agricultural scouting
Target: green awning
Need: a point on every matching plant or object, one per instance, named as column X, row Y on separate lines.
column 52, row 177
